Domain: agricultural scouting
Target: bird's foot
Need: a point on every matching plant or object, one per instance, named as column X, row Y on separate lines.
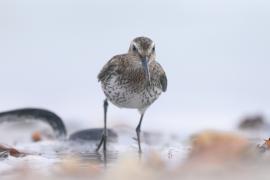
column 102, row 142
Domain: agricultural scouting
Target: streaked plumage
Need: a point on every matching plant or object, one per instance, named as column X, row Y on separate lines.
column 134, row 80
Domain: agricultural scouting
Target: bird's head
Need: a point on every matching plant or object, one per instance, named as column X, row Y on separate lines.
column 144, row 49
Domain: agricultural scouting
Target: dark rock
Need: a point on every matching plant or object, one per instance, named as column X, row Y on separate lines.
column 93, row 135
column 256, row 122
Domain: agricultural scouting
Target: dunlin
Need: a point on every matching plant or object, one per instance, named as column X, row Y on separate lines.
column 133, row 80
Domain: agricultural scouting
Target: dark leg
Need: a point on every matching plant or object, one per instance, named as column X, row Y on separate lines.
column 104, row 136
column 138, row 131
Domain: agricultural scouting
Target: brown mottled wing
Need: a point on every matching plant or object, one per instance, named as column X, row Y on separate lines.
column 112, row 67
column 105, row 71
column 162, row 78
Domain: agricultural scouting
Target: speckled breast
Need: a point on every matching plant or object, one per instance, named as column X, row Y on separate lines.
column 124, row 94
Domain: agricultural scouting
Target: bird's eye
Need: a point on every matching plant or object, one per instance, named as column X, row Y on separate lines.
column 134, row 48
column 154, row 49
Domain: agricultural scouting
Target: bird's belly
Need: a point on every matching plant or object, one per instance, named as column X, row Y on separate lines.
column 129, row 97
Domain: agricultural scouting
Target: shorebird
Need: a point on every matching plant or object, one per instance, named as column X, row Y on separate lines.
column 133, row 80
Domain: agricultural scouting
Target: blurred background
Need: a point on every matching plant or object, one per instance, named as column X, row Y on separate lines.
column 215, row 53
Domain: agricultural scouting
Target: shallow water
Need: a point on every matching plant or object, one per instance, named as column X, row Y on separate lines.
column 54, row 157
column 50, row 153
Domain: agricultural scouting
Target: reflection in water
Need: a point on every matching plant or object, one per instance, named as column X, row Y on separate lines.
column 93, row 157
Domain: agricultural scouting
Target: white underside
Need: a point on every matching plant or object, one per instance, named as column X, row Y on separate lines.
column 123, row 98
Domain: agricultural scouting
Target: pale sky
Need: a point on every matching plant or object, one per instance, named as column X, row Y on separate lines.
column 216, row 55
